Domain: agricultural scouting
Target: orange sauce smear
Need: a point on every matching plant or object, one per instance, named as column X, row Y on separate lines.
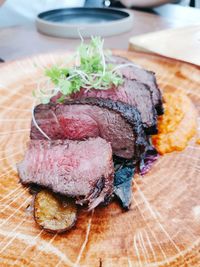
column 178, row 124
column 198, row 141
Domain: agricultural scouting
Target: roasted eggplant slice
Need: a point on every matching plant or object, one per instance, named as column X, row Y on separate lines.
column 53, row 213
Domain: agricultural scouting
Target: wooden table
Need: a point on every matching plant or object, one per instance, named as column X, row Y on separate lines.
column 20, row 41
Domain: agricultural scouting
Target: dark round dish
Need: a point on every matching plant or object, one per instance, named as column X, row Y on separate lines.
column 67, row 22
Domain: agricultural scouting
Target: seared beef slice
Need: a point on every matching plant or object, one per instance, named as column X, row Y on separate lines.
column 130, row 92
column 143, row 76
column 81, row 169
column 116, row 122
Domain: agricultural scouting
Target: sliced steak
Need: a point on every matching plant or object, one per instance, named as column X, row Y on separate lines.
column 131, row 92
column 81, row 169
column 118, row 123
column 147, row 77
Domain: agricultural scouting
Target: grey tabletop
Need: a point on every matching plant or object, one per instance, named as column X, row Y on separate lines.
column 20, row 41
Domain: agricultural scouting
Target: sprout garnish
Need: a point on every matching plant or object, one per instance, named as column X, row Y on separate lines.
column 89, row 72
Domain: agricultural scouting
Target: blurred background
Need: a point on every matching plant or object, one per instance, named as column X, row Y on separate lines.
column 166, row 27
column 19, row 12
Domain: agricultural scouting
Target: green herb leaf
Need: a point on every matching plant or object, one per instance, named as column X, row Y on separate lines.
column 65, row 86
column 91, row 72
column 55, row 73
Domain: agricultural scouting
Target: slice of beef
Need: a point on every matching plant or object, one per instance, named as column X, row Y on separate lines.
column 81, row 169
column 133, row 93
column 147, row 77
column 118, row 123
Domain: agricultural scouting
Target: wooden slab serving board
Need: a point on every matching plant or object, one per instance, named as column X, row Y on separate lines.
column 161, row 229
column 180, row 43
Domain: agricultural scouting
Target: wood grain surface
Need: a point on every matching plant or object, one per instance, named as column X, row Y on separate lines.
column 161, row 229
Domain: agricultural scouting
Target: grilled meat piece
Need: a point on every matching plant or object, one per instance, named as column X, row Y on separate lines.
column 144, row 76
column 118, row 123
column 131, row 92
column 81, row 169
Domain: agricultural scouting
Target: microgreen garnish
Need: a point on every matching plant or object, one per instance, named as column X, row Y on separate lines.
column 90, row 71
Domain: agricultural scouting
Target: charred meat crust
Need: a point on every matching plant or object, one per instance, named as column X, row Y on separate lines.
column 159, row 106
column 150, row 130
